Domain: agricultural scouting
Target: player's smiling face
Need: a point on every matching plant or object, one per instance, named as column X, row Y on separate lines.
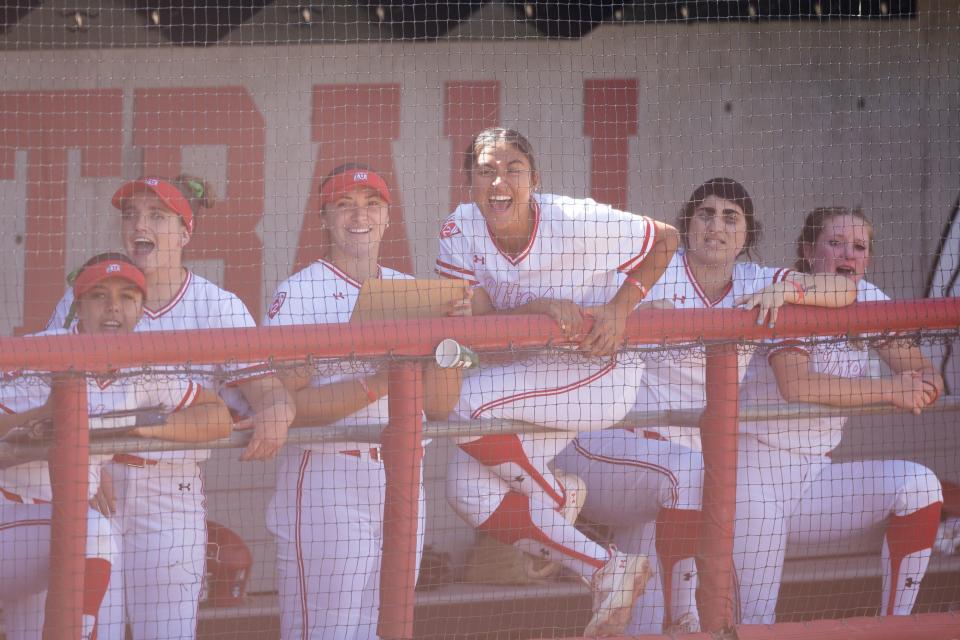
column 356, row 222
column 113, row 305
column 153, row 235
column 502, row 186
column 716, row 232
column 843, row 247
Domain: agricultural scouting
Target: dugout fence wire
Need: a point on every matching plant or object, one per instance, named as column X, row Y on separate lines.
column 403, row 343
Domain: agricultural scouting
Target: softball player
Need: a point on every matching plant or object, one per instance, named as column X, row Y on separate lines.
column 527, row 252
column 109, row 292
column 789, row 492
column 327, row 512
column 160, row 504
column 647, row 484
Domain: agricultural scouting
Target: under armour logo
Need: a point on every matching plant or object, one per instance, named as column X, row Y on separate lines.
column 544, row 552
column 184, row 486
column 519, row 479
column 909, row 583
column 688, row 576
column 339, row 295
column 479, row 260
column 679, row 298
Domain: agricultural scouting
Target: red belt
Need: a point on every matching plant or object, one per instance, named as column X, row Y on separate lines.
column 374, row 453
column 134, row 461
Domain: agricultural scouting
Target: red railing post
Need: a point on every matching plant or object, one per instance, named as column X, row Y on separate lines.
column 68, row 477
column 718, row 433
column 402, row 448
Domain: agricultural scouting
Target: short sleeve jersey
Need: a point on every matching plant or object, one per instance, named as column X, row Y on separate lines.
column 676, row 380
column 323, row 294
column 843, row 358
column 199, row 304
column 579, row 250
column 19, row 393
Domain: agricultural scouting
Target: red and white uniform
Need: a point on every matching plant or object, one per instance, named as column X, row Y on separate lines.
column 161, row 508
column 647, row 484
column 789, row 491
column 678, row 380
column 579, row 251
column 327, row 511
column 25, row 491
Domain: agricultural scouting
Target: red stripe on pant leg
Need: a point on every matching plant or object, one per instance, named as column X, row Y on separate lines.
column 504, row 448
column 511, row 522
column 298, row 542
column 908, row 534
column 677, row 535
column 96, row 577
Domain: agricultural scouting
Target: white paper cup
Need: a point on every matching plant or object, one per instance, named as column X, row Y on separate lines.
column 450, row 354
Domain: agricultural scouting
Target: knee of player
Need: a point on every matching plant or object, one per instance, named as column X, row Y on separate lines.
column 918, row 487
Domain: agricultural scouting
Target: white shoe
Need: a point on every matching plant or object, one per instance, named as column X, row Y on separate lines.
column 616, row 586
column 687, row 623
column 576, row 495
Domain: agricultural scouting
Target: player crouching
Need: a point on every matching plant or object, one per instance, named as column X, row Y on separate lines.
column 109, row 292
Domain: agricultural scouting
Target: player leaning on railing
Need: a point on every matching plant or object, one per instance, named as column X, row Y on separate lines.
column 788, row 490
column 527, row 252
column 108, row 298
column 158, row 497
column 327, row 511
column 647, row 484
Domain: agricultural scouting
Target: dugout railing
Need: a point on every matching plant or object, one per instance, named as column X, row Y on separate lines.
column 404, row 344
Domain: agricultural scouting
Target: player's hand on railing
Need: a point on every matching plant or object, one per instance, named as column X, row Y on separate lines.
column 608, row 330
column 932, row 387
column 908, row 391
column 567, row 314
column 768, row 300
column 105, row 500
column 463, row 307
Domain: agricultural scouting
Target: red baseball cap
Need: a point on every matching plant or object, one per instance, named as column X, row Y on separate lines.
column 92, row 275
column 343, row 183
column 168, row 193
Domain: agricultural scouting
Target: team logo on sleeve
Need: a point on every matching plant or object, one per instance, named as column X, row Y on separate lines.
column 449, row 229
column 277, row 303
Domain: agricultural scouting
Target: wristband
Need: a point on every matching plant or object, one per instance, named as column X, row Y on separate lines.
column 371, row 396
column 799, row 288
column 639, row 285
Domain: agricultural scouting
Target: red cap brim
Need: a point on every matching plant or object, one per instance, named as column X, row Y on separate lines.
column 94, row 274
column 343, row 183
column 168, row 193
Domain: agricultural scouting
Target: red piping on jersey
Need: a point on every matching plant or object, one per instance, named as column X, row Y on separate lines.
column 340, row 274
column 533, row 237
column 543, row 392
column 153, row 315
column 301, row 569
column 192, row 390
column 446, row 265
column 635, row 261
column 699, row 291
column 633, row 463
column 789, row 346
column 447, row 275
column 7, row 410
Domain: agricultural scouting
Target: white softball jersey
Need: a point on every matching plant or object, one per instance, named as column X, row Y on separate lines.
column 677, row 380
column 843, row 358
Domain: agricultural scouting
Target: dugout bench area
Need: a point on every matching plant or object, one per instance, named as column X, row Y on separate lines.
column 840, row 583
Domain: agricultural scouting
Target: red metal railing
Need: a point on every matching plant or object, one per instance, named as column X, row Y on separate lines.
column 402, row 443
